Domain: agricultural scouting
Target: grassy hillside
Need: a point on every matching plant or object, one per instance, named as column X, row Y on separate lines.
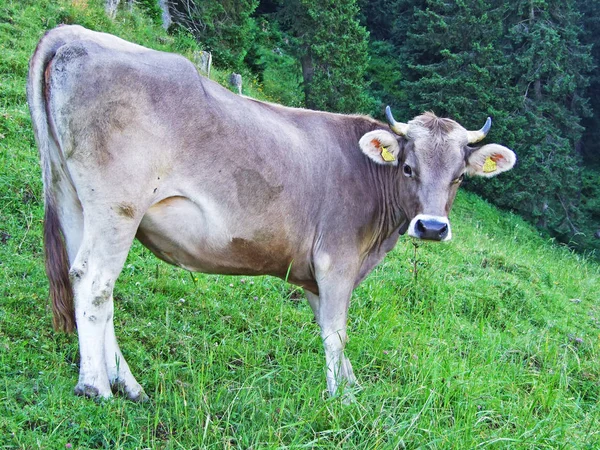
column 492, row 340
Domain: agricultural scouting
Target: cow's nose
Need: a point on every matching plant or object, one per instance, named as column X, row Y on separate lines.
column 433, row 230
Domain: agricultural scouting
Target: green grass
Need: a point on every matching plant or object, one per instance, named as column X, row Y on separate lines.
column 494, row 342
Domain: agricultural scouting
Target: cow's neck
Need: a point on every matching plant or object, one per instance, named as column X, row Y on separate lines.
column 386, row 185
column 392, row 215
column 388, row 218
column 386, row 221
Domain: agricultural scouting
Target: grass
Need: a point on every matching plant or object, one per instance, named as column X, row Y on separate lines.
column 490, row 341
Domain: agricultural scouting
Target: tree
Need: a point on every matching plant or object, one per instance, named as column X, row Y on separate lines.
column 550, row 69
column 453, row 64
column 590, row 11
column 333, row 49
column 223, row 28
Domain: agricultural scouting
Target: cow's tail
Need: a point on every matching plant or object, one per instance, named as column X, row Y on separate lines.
column 52, row 163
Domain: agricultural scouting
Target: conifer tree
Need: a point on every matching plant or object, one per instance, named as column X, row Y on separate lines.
column 224, row 27
column 453, row 63
column 590, row 11
column 550, row 69
column 332, row 47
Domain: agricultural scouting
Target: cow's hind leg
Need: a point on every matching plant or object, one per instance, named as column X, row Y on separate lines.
column 119, row 375
column 98, row 263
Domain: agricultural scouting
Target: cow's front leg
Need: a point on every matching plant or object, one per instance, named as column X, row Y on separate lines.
column 331, row 312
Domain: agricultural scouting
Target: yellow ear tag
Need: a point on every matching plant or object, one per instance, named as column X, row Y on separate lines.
column 387, row 156
column 489, row 165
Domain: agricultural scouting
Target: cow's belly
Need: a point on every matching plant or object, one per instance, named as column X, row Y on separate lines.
column 199, row 237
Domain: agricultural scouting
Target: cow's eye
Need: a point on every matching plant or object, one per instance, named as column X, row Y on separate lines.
column 407, row 170
column 459, row 179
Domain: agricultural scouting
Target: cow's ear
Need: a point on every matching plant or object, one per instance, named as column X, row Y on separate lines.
column 381, row 146
column 490, row 160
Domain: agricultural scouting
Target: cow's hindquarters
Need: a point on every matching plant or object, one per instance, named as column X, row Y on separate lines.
column 83, row 267
column 95, row 269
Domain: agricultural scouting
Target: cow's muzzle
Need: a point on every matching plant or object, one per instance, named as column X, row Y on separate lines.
column 432, row 228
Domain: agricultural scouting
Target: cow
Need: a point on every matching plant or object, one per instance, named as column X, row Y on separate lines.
column 134, row 143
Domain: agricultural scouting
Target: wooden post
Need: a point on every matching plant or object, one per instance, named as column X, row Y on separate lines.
column 166, row 14
column 236, row 81
column 203, row 61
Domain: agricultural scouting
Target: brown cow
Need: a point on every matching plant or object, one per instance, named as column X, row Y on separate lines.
column 134, row 143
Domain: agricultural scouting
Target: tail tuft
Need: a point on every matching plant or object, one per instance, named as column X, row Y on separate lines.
column 57, row 270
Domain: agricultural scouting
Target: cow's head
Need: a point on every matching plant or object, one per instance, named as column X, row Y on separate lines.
column 433, row 155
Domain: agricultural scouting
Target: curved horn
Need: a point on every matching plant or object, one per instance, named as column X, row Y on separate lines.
column 476, row 136
column 397, row 127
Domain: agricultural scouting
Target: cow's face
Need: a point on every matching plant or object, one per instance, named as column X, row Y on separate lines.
column 433, row 155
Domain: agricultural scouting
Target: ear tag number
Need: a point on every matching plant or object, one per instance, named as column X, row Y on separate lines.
column 387, row 156
column 489, row 165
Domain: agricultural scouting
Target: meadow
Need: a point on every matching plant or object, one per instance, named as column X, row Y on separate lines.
column 489, row 341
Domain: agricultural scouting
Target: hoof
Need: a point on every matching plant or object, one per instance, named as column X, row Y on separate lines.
column 348, row 398
column 349, row 393
column 135, row 395
column 89, row 391
column 140, row 397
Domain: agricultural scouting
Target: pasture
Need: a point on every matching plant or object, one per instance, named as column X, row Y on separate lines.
column 489, row 341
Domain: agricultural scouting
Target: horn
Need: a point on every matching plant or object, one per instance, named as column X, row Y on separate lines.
column 476, row 136
column 397, row 127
